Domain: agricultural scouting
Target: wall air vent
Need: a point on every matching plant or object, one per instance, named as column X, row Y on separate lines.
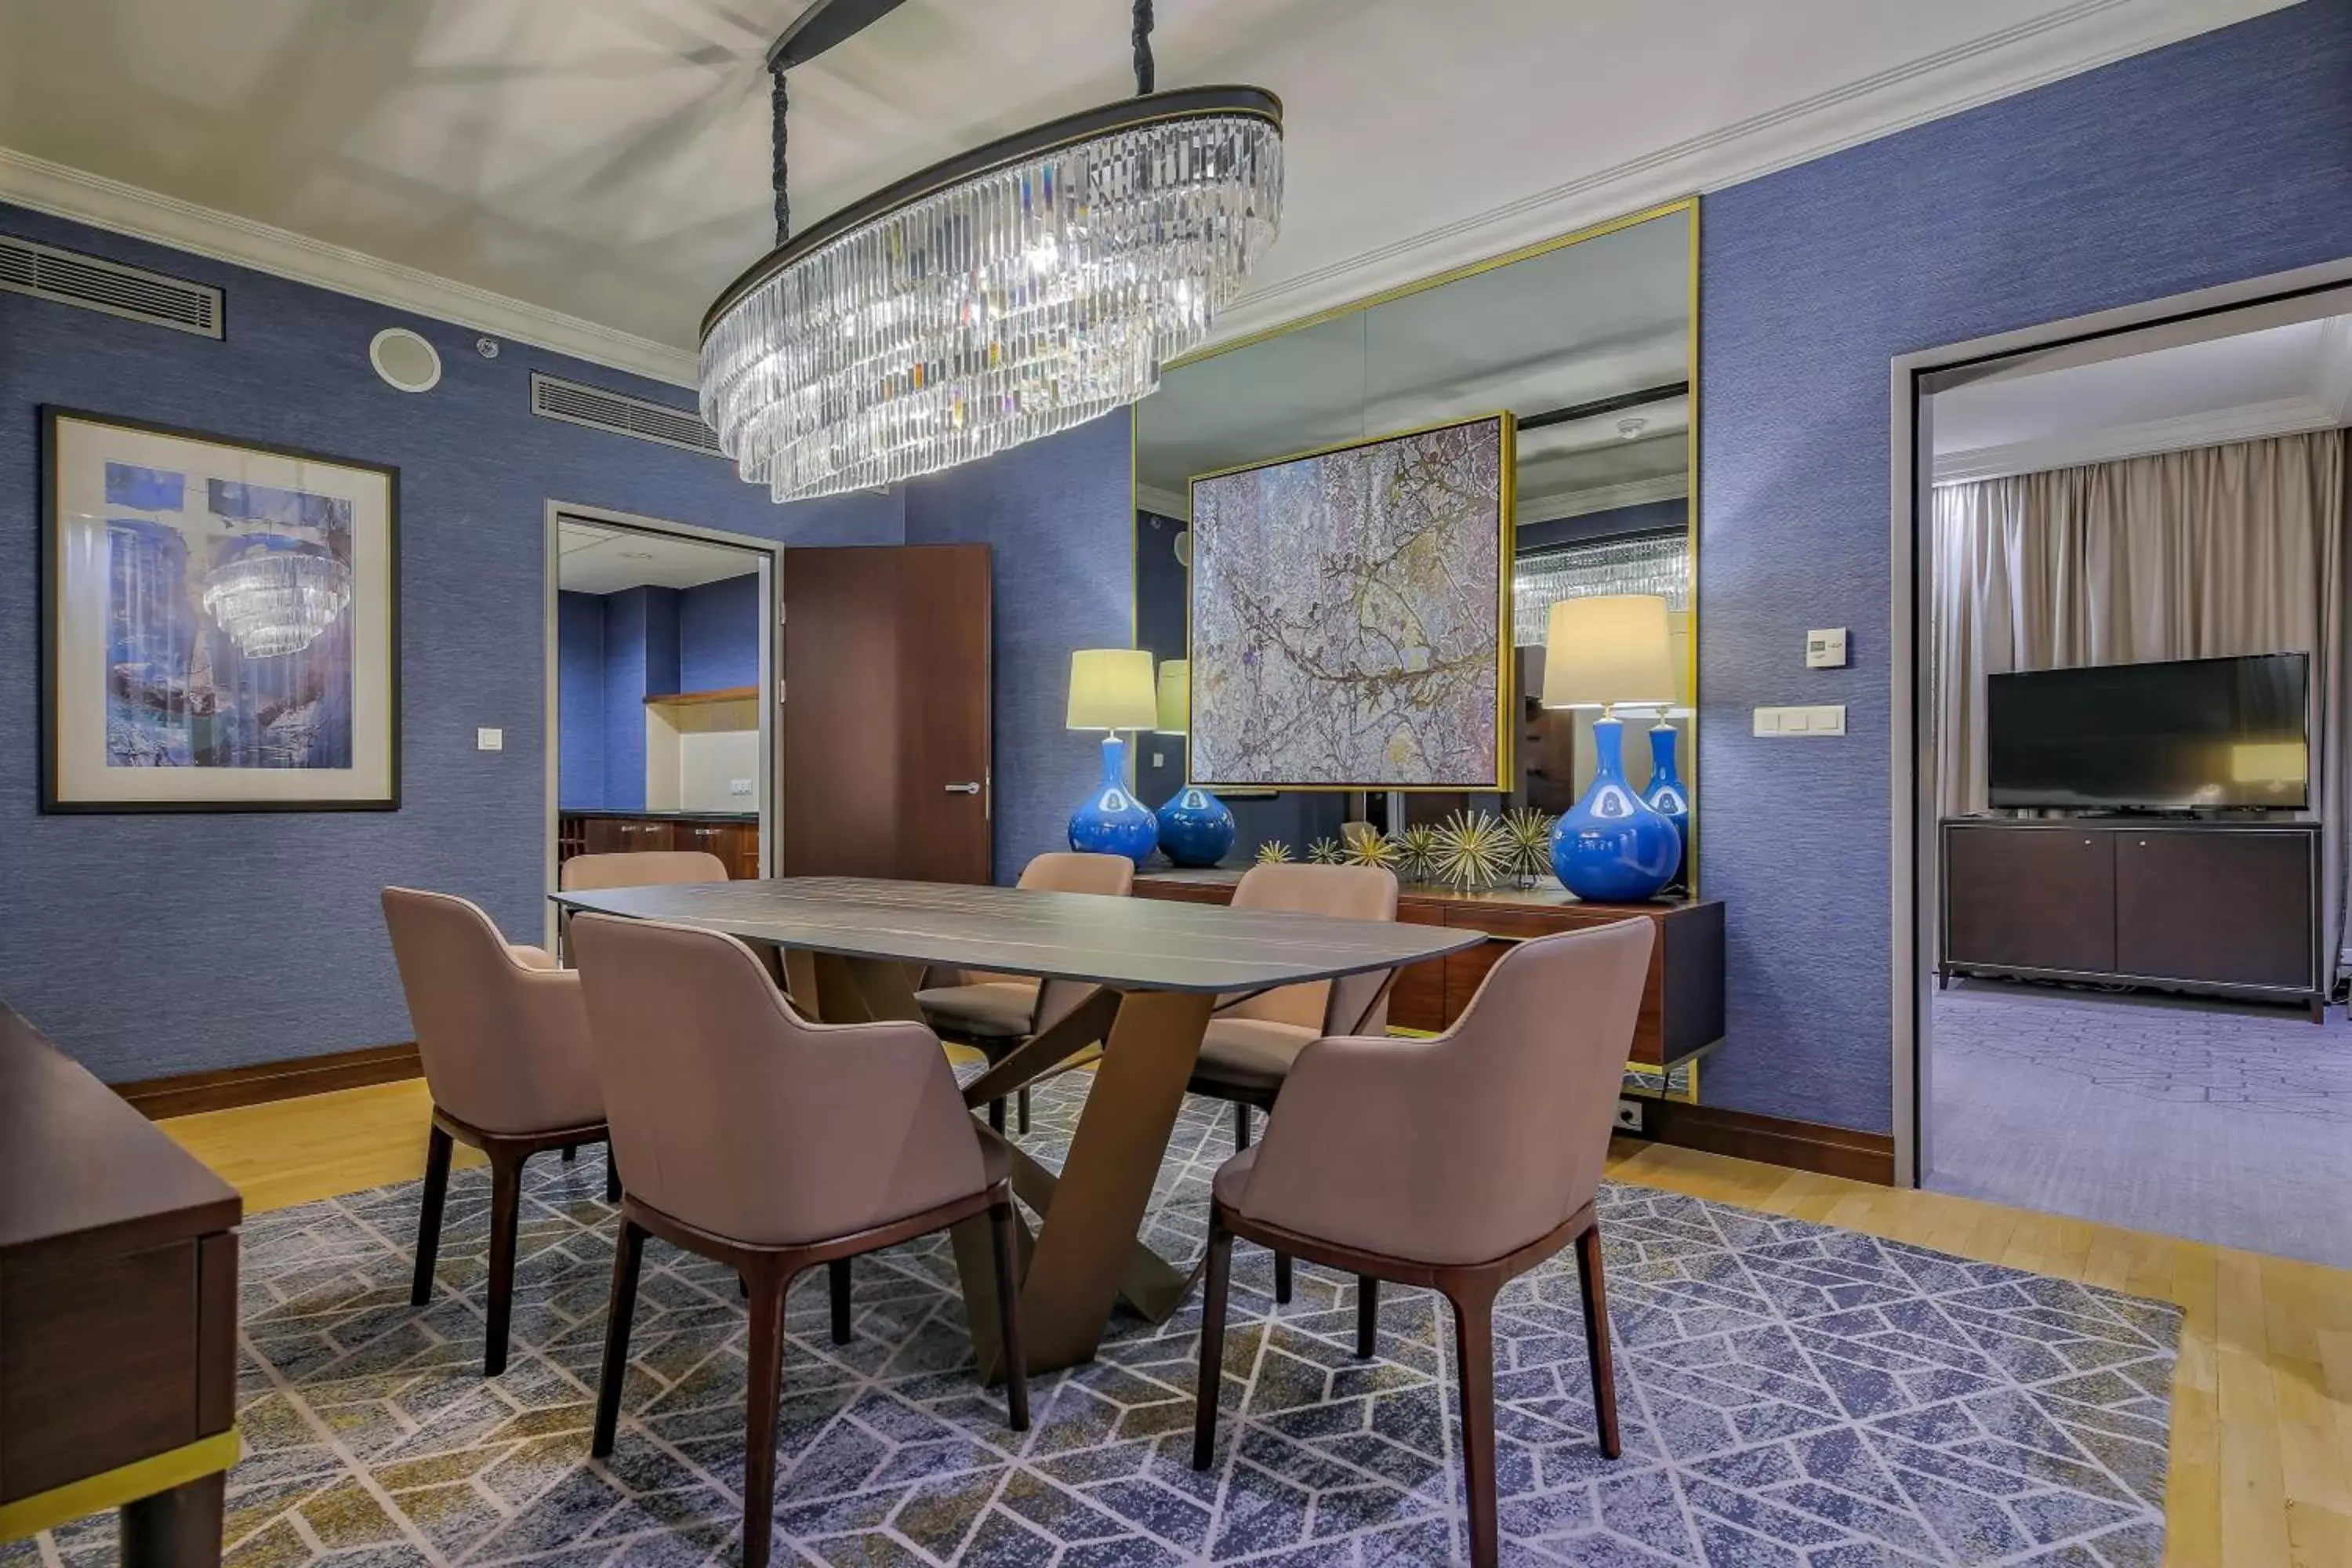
column 575, row 403
column 69, row 277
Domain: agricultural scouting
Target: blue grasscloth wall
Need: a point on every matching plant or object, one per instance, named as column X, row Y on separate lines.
column 580, row 696
column 719, row 634
column 2224, row 157
column 1056, row 515
column 606, row 669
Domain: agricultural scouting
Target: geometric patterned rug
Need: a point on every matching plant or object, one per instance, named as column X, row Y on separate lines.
column 1790, row 1394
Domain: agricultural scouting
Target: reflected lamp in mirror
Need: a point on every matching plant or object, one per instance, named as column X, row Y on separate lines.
column 1111, row 690
column 1196, row 828
column 1609, row 651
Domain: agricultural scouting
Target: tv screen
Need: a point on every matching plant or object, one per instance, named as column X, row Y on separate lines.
column 2182, row 735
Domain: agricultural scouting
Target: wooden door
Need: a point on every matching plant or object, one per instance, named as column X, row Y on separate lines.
column 2228, row 906
column 886, row 766
column 2022, row 897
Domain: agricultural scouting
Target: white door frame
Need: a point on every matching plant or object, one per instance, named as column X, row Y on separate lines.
column 2225, row 309
column 769, row 553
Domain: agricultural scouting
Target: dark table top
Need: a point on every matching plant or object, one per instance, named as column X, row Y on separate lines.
column 81, row 1171
column 1141, row 944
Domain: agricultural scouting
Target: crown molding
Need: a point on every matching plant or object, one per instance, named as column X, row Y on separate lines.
column 2333, row 387
column 1167, row 503
column 2065, row 41
column 55, row 188
column 2249, row 422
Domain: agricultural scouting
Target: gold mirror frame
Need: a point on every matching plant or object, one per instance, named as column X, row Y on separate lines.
column 1689, row 208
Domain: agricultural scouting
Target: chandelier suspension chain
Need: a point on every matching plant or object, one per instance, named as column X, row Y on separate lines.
column 1143, row 67
column 779, row 100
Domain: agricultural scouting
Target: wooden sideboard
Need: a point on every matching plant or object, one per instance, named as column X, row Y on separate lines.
column 1682, row 1005
column 118, row 1314
column 734, row 837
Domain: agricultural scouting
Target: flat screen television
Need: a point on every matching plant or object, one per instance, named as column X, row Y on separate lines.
column 2182, row 735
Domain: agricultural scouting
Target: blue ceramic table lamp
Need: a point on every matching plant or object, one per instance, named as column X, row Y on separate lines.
column 1111, row 690
column 1196, row 828
column 1607, row 652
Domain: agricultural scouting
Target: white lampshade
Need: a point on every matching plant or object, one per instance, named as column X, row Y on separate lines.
column 1175, row 696
column 1608, row 648
column 1110, row 688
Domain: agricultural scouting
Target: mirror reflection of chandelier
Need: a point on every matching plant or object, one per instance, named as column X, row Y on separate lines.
column 277, row 601
column 1011, row 291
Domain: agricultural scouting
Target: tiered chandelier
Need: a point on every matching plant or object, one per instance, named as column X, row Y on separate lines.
column 1004, row 294
column 274, row 600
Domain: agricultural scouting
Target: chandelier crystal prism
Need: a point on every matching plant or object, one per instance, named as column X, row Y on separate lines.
column 1005, row 294
column 275, row 601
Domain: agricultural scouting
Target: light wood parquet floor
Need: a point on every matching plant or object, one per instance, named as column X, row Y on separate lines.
column 2261, row 1435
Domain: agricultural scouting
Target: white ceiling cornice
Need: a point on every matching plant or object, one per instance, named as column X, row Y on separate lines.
column 50, row 187
column 2066, row 41
column 2250, row 422
column 1602, row 498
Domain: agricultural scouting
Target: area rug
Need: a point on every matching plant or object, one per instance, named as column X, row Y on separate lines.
column 1791, row 1395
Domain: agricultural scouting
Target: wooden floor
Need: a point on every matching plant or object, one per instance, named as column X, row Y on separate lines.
column 2261, row 1416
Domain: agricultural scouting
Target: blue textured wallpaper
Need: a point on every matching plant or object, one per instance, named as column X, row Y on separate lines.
column 629, row 677
column 580, row 701
column 2223, row 157
column 166, row 944
column 1056, row 515
column 719, row 634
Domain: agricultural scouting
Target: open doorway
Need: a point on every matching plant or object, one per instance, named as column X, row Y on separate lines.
column 661, row 730
column 2128, row 785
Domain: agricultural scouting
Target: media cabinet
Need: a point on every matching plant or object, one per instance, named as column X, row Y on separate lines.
column 2208, row 907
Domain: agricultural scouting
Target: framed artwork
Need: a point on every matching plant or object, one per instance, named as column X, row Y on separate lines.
column 1351, row 616
column 220, row 623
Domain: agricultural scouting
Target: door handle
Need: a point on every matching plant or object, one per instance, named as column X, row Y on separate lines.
column 963, row 789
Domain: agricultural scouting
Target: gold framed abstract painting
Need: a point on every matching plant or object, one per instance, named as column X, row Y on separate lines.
column 1351, row 614
column 220, row 623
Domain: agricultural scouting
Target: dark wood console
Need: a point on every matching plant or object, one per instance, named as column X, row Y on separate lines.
column 2228, row 908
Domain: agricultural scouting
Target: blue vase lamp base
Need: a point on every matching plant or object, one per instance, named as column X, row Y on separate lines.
column 1613, row 847
column 1196, row 828
column 1113, row 822
column 1669, row 799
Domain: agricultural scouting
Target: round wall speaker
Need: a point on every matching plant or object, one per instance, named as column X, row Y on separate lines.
column 1184, row 549
column 404, row 359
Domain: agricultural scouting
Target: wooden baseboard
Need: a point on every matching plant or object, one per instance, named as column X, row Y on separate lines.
column 226, row 1088
column 1776, row 1140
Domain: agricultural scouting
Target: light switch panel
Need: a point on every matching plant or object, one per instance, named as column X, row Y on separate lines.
column 489, row 740
column 739, row 786
column 1825, row 649
column 1829, row 719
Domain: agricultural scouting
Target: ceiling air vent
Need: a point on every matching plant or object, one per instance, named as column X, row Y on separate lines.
column 70, row 278
column 575, row 403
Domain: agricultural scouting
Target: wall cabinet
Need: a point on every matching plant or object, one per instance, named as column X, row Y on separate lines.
column 734, row 841
column 2220, row 907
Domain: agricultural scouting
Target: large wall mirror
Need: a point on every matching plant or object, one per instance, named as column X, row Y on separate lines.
column 1589, row 341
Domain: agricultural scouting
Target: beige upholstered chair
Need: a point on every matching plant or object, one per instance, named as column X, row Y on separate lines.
column 1454, row 1164
column 639, row 869
column 771, row 1144
column 504, row 1040
column 995, row 1012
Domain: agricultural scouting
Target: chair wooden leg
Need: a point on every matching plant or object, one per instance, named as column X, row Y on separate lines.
column 1008, row 1316
column 762, row 1395
column 996, row 1116
column 612, row 1175
column 506, row 1209
column 1024, row 1109
column 1368, row 1315
column 571, row 1153
column 1282, row 1280
column 837, row 1285
column 1241, row 1127
column 1589, row 1274
column 1473, row 1346
column 1214, row 1291
column 628, row 1256
column 428, row 1215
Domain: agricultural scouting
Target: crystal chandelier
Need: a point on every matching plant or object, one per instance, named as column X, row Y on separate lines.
column 1007, row 293
column 277, row 601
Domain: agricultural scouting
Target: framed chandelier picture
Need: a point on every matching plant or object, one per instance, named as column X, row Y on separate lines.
column 220, row 623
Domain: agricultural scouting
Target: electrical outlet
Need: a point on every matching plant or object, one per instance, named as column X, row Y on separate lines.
column 1159, row 759
column 1825, row 649
column 489, row 740
column 1629, row 1116
column 739, row 786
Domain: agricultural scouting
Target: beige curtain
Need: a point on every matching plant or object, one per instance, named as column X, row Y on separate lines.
column 2222, row 550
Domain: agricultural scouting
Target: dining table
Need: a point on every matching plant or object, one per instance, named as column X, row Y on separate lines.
column 855, row 950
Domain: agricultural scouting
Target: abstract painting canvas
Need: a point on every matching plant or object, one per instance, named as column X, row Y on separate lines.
column 1349, row 615
column 221, row 621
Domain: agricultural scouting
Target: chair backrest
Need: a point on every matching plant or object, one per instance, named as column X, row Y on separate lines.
column 639, row 869
column 1074, row 871
column 1340, row 892
column 1467, row 1147
column 504, row 1042
column 731, row 1112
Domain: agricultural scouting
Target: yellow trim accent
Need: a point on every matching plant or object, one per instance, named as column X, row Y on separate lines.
column 1505, row 656
column 125, row 1484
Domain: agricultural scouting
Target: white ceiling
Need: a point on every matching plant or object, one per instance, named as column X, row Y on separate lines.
column 587, row 173
column 2238, row 388
column 595, row 560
